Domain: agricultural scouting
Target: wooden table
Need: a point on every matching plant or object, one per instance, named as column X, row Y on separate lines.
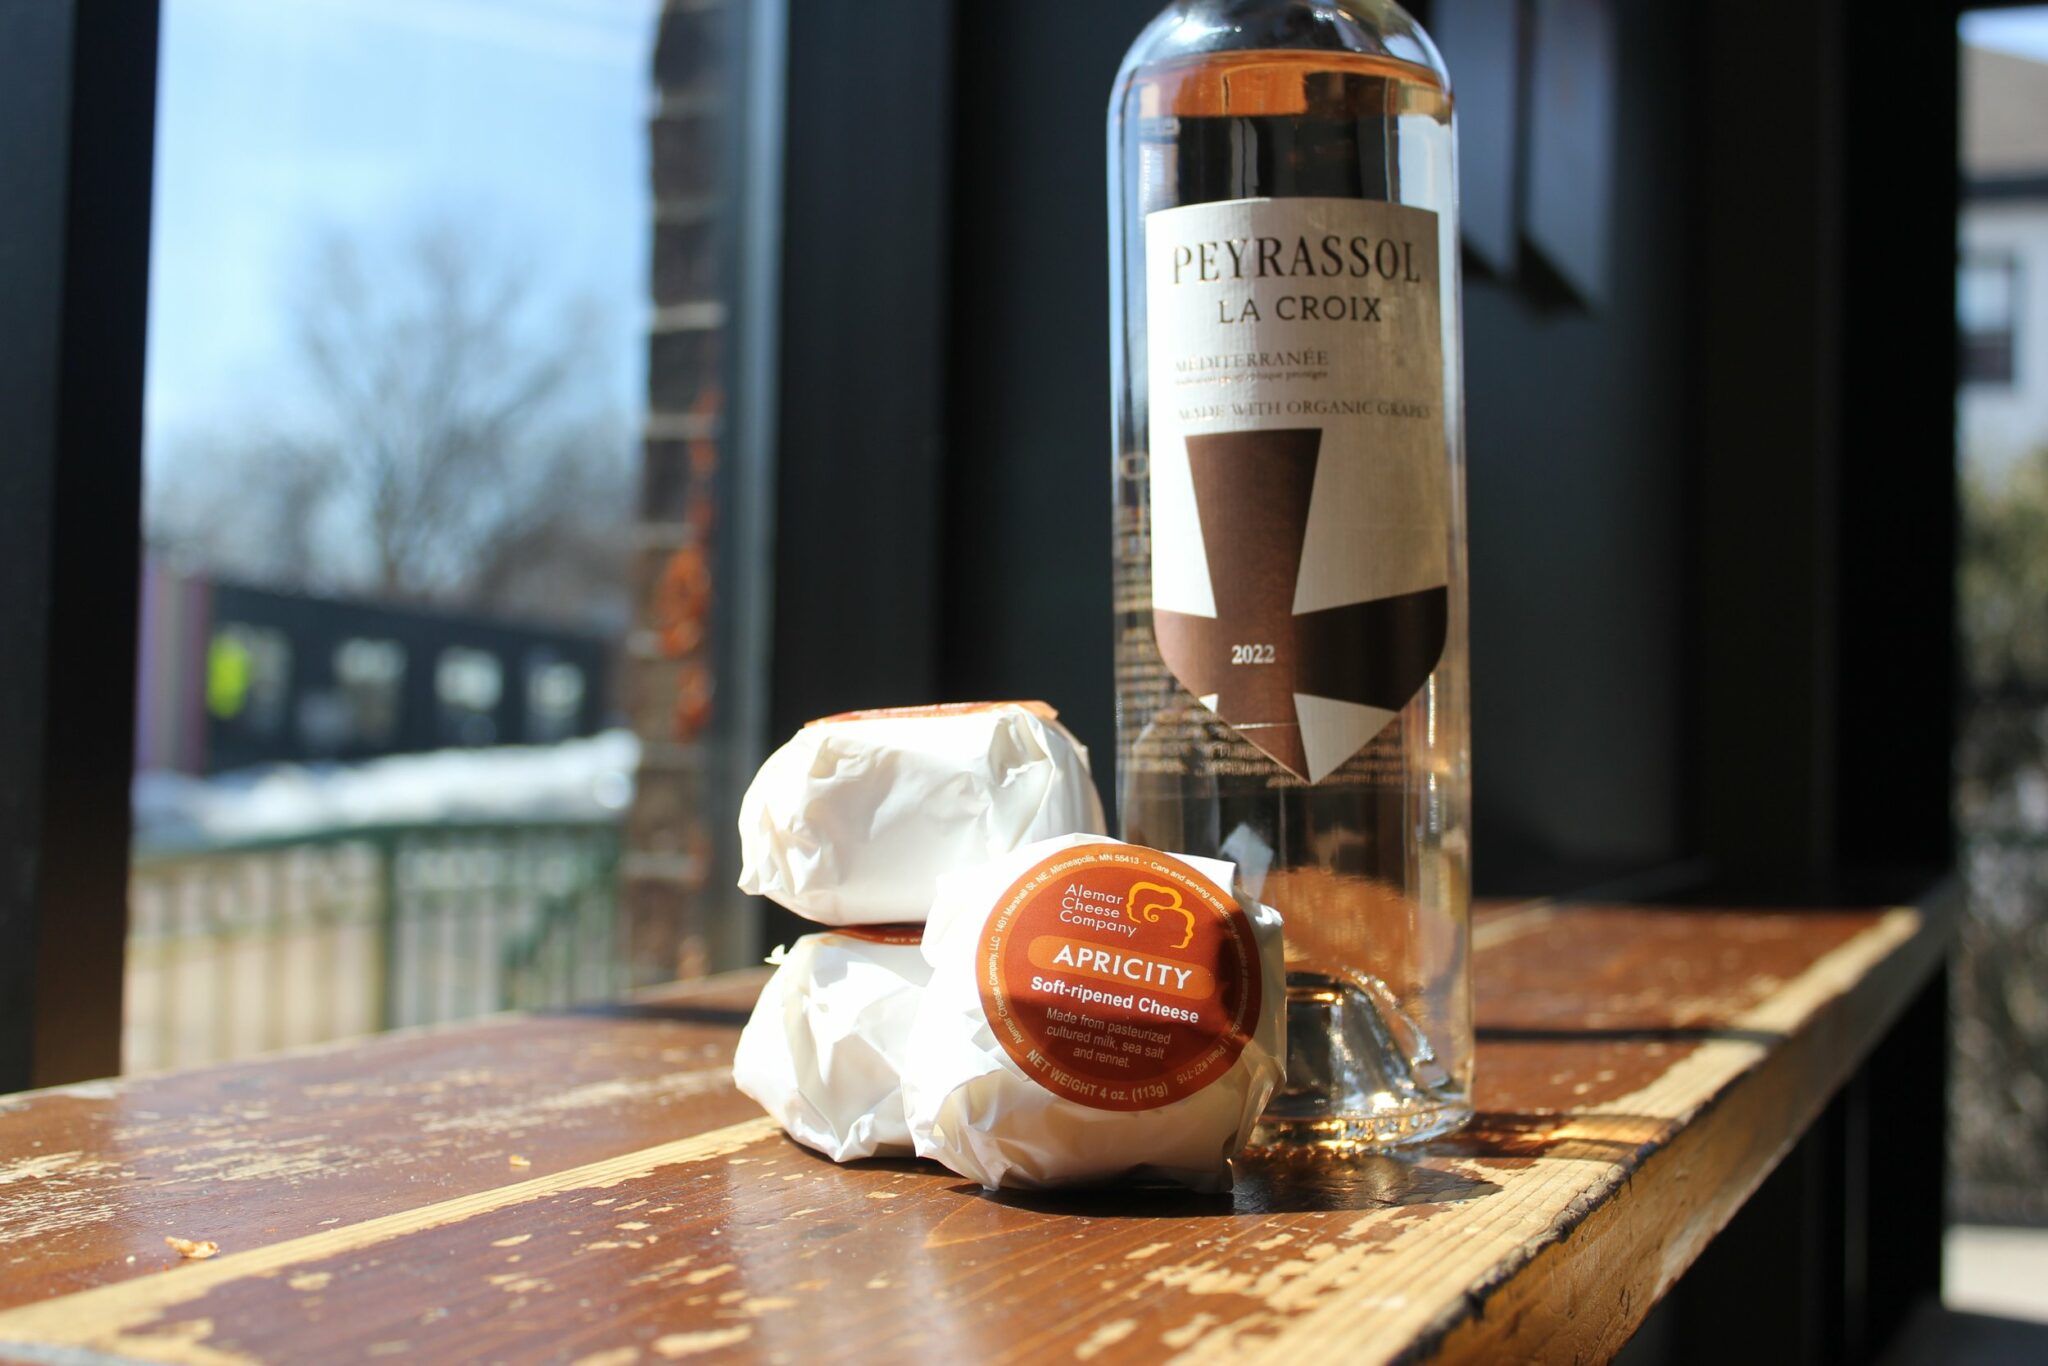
column 589, row 1188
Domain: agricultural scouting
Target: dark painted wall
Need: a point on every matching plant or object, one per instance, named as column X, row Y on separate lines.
column 1576, row 426
column 1027, row 606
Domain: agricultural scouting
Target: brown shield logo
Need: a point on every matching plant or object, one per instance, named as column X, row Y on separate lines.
column 1309, row 689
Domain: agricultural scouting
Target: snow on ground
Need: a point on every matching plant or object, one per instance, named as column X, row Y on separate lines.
column 576, row 780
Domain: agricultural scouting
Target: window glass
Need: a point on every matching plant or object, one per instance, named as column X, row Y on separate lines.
column 1999, row 1118
column 370, row 675
column 248, row 679
column 468, row 684
column 436, row 327
column 554, row 698
column 1986, row 309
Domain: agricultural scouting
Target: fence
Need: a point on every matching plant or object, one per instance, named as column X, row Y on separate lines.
column 268, row 944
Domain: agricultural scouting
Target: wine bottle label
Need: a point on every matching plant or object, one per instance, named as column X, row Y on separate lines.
column 1119, row 977
column 1300, row 547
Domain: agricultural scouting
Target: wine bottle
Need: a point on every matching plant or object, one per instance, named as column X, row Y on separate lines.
column 1290, row 528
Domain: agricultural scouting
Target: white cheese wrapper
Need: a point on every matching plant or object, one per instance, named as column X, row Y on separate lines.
column 1055, row 922
column 853, row 821
column 823, row 1049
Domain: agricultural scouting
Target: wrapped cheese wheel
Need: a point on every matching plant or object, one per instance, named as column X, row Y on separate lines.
column 1096, row 1011
column 824, row 1047
column 853, row 821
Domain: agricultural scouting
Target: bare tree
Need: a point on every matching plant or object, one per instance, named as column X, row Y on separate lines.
column 453, row 444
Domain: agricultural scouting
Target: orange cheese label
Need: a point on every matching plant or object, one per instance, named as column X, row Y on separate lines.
column 1037, row 709
column 883, row 934
column 1119, row 977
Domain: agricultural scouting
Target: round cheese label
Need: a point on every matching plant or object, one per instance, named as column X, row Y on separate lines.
column 1119, row 977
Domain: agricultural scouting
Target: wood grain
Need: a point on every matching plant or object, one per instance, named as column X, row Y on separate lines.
column 1640, row 1072
column 93, row 1177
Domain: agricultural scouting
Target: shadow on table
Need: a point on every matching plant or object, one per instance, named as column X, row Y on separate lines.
column 1264, row 1186
column 1589, row 1136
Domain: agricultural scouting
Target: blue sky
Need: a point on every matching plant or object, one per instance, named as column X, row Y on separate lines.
column 2024, row 31
column 280, row 119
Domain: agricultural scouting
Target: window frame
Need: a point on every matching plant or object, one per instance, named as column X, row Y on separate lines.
column 77, row 130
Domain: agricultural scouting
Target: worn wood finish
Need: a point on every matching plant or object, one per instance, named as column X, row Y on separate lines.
column 93, row 1176
column 1640, row 1072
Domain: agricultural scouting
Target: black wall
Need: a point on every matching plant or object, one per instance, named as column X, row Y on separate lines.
column 1578, row 449
column 1027, row 607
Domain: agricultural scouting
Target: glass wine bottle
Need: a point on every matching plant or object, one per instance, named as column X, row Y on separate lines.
column 1290, row 528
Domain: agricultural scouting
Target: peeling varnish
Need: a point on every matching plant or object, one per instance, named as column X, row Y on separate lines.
column 49, row 1195
column 535, row 1112
column 1340, row 1298
column 1147, row 1251
column 611, row 1356
column 513, row 1283
column 514, row 1241
column 1105, row 1337
column 709, row 1273
column 676, row 1346
column 184, row 1343
column 256, row 1159
column 1190, row 1332
column 45, row 1165
column 108, row 1318
column 108, row 1089
column 661, row 1273
column 309, row 1281
column 1529, row 1203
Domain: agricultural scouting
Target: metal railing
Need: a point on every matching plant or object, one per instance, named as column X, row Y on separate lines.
column 264, row 944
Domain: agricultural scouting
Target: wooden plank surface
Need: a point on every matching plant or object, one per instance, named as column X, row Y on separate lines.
column 1639, row 1072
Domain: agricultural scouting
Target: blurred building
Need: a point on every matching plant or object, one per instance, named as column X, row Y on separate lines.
column 2002, row 284
column 232, row 676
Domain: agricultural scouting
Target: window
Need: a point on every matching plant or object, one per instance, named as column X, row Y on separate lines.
column 554, row 699
column 438, row 291
column 370, row 675
column 1987, row 292
column 467, row 685
column 249, row 679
